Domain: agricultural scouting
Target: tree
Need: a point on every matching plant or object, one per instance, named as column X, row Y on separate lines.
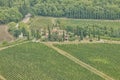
column 63, row 35
column 24, row 28
column 28, row 36
column 49, row 33
column 10, row 3
column 81, row 34
column 37, row 34
column 99, row 35
column 17, row 33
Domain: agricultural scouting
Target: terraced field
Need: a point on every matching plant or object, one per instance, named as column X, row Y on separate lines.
column 33, row 61
column 104, row 57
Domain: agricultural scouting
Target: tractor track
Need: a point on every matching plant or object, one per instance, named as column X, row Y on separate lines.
column 81, row 63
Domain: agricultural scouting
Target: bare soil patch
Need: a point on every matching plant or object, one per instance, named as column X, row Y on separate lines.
column 4, row 34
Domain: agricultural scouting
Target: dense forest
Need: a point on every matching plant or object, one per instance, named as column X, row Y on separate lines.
column 15, row 10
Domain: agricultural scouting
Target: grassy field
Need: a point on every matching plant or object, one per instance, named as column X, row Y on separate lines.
column 104, row 57
column 33, row 61
column 5, row 44
column 40, row 21
column 89, row 22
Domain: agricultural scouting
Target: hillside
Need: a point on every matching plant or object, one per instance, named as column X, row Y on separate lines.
column 42, row 21
column 4, row 35
column 106, row 29
column 34, row 61
column 104, row 57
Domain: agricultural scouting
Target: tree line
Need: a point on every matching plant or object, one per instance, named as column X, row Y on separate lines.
column 83, row 9
column 93, row 32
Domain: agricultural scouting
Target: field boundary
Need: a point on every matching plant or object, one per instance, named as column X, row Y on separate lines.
column 84, row 42
column 81, row 63
column 13, row 45
column 66, row 18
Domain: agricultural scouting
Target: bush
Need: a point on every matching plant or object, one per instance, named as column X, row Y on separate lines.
column 72, row 39
column 90, row 40
column 4, row 43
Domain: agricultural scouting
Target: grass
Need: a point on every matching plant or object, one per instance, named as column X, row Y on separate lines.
column 5, row 43
column 89, row 22
column 110, row 38
column 40, row 21
column 33, row 61
column 104, row 57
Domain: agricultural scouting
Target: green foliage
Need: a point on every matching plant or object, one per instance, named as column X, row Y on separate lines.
column 40, row 22
column 24, row 28
column 16, row 33
column 72, row 39
column 9, row 15
column 82, row 9
column 17, row 29
column 80, row 27
column 104, row 57
column 49, row 33
column 79, row 9
column 4, row 43
column 12, row 27
column 36, row 61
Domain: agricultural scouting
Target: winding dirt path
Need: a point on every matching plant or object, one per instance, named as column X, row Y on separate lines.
column 81, row 63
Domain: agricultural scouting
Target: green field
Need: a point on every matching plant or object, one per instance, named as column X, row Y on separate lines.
column 33, row 61
column 40, row 21
column 90, row 22
column 5, row 43
column 104, row 57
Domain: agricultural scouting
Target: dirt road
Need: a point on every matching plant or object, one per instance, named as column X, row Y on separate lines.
column 84, row 41
column 86, row 66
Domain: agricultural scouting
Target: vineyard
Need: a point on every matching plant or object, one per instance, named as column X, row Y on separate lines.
column 33, row 61
column 59, row 39
column 104, row 57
